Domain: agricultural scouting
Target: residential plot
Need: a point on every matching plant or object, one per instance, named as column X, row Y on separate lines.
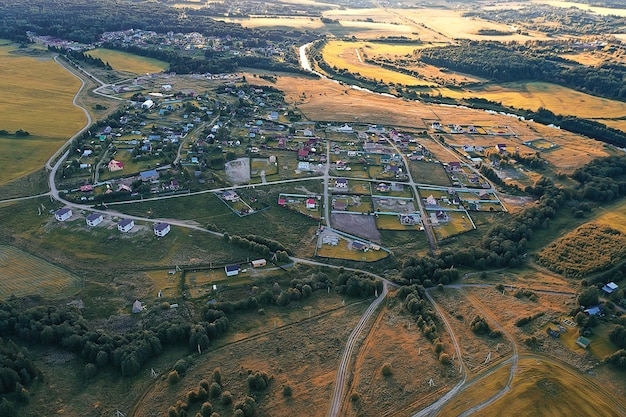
column 309, row 205
column 337, row 245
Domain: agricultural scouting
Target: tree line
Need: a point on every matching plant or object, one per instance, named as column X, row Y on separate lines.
column 514, row 62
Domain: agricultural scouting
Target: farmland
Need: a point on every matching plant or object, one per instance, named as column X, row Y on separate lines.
column 37, row 98
column 344, row 193
column 123, row 61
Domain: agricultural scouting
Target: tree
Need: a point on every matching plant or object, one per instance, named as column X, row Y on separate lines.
column 386, row 370
column 589, row 297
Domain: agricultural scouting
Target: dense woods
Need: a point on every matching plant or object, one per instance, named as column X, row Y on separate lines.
column 514, row 62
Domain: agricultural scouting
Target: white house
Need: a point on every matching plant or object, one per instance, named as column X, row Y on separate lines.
column 63, row 214
column 115, row 166
column 94, row 219
column 161, row 229
column 148, row 104
column 125, row 225
column 231, row 270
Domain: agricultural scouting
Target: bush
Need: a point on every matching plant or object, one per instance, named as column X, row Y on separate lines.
column 386, row 370
column 181, row 366
column 204, row 384
column 90, row 371
column 287, row 392
column 444, row 358
column 215, row 391
column 217, row 376
column 206, row 409
column 227, row 398
column 173, row 377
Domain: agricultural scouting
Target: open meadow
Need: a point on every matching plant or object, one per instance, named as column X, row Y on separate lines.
column 37, row 96
column 543, row 387
column 24, row 274
column 124, row 61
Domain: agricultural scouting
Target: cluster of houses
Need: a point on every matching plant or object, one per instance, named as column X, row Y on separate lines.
column 124, row 225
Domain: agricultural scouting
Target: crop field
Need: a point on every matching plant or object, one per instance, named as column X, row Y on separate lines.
column 283, row 22
column 25, row 274
column 37, row 96
column 347, row 55
column 583, row 6
column 124, row 61
column 545, row 388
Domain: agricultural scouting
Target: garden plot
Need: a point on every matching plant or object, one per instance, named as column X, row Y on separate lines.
column 393, row 205
column 356, row 224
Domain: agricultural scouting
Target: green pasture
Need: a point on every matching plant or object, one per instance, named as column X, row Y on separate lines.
column 124, row 61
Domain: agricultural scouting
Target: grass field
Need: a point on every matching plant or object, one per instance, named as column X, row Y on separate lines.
column 544, row 388
column 532, row 95
column 348, row 55
column 124, row 61
column 37, row 97
column 25, row 274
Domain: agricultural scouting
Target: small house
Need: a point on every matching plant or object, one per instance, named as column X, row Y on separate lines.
column 63, row 214
column 115, row 166
column 148, row 104
column 125, row 225
column 231, row 270
column 137, row 307
column 382, row 187
column 583, row 342
column 610, row 288
column 161, row 229
column 151, row 175
column 94, row 219
column 230, row 196
column 359, row 246
column 259, row 263
column 311, row 204
column 341, row 183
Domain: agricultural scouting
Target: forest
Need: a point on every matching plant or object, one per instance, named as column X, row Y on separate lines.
column 514, row 62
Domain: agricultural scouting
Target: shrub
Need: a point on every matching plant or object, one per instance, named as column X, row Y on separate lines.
column 227, row 398
column 215, row 391
column 206, row 409
column 386, row 370
column 90, row 371
column 172, row 412
column 287, row 392
column 181, row 366
column 173, row 377
column 217, row 376
column 204, row 384
column 444, row 358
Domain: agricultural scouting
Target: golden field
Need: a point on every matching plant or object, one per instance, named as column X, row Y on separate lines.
column 37, row 95
column 123, row 61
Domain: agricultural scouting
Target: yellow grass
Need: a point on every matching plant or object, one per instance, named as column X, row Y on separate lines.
column 25, row 274
column 278, row 22
column 123, row 61
column 532, row 95
column 545, row 388
column 582, row 6
column 615, row 218
column 168, row 284
column 37, row 97
column 349, row 55
column 480, row 390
